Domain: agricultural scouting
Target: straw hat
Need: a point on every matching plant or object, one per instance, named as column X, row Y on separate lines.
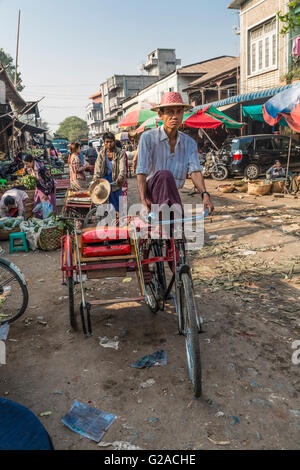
column 171, row 98
column 100, row 191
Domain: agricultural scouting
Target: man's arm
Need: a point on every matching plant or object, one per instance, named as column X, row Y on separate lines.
column 97, row 168
column 142, row 189
column 198, row 180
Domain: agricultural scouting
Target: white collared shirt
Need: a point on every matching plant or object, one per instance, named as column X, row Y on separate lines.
column 154, row 154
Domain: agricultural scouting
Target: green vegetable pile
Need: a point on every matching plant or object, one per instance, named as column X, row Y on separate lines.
column 8, row 223
column 29, row 181
column 62, row 223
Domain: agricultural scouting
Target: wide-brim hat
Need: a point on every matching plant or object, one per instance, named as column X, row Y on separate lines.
column 171, row 98
column 100, row 191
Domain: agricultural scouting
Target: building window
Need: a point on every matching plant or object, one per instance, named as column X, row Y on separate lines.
column 262, row 47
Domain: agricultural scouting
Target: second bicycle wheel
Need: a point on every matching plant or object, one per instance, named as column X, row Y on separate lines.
column 191, row 333
column 13, row 293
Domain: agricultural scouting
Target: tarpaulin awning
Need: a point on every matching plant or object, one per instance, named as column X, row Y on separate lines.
column 256, row 112
column 255, row 95
column 284, row 104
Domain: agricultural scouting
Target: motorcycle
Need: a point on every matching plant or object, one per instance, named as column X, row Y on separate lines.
column 214, row 167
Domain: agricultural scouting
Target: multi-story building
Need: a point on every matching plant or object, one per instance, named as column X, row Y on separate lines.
column 264, row 52
column 94, row 115
column 180, row 80
column 161, row 62
column 117, row 88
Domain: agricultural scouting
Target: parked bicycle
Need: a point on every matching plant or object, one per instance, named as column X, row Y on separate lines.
column 13, row 292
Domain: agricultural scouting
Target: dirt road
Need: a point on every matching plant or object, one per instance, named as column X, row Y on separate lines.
column 247, row 280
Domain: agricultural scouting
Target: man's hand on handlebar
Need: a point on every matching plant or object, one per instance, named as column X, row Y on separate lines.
column 208, row 205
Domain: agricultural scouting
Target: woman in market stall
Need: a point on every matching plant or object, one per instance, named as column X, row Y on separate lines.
column 77, row 170
column 46, row 184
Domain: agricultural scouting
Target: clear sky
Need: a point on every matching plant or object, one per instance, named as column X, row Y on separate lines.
column 68, row 47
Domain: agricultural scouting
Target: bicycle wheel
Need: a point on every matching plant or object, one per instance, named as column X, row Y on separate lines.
column 73, row 320
column 189, row 312
column 92, row 218
column 157, row 284
column 13, row 292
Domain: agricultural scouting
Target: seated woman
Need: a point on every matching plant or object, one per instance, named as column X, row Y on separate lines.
column 46, row 184
column 12, row 203
column 276, row 171
column 77, row 170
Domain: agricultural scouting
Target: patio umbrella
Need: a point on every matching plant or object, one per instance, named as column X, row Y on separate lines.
column 151, row 123
column 210, row 118
column 284, row 104
column 136, row 117
column 206, row 118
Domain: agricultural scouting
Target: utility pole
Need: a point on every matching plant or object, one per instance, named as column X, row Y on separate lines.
column 17, row 50
column 15, row 81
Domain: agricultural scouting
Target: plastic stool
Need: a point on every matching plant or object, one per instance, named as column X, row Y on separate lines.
column 3, row 182
column 18, row 236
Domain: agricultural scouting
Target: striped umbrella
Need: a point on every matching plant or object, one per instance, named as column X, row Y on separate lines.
column 136, row 117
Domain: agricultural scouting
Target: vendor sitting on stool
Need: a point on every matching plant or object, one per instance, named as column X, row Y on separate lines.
column 276, row 171
column 12, row 203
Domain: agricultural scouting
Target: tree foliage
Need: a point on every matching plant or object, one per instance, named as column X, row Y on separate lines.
column 73, row 128
column 290, row 21
column 7, row 59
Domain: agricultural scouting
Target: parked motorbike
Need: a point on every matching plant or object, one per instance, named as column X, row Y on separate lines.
column 214, row 166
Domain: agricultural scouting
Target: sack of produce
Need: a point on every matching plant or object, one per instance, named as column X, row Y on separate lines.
column 259, row 189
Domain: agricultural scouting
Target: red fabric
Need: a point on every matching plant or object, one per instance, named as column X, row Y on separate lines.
column 94, row 235
column 200, row 119
column 91, row 251
column 132, row 119
column 13, row 212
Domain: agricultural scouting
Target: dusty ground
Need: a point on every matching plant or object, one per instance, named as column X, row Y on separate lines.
column 250, row 306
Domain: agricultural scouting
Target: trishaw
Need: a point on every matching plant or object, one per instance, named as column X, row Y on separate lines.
column 95, row 253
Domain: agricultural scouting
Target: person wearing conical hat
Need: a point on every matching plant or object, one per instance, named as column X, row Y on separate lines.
column 165, row 155
column 111, row 165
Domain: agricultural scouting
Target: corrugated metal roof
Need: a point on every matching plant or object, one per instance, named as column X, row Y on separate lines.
column 217, row 68
column 206, row 66
column 11, row 92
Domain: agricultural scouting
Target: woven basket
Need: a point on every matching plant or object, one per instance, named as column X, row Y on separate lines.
column 49, row 238
column 259, row 189
column 4, row 234
column 241, row 187
column 29, row 209
column 30, row 193
column 278, row 186
column 226, row 188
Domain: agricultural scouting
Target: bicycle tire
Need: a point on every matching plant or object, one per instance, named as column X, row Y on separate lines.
column 191, row 334
column 72, row 316
column 21, row 281
column 161, row 276
column 89, row 215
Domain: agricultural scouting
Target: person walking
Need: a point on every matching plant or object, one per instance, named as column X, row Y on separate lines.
column 110, row 164
column 77, row 170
